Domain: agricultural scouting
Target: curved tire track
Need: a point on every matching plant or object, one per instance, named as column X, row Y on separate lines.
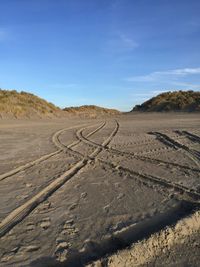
column 192, row 154
column 22, row 211
column 75, row 143
column 136, row 156
column 47, row 156
column 156, row 180
column 191, row 136
column 28, row 165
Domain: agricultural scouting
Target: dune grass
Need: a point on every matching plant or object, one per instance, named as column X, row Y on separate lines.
column 24, row 104
column 186, row 101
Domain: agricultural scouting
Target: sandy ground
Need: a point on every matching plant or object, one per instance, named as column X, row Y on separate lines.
column 119, row 191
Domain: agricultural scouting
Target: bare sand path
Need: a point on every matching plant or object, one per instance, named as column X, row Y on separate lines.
column 18, row 214
column 113, row 194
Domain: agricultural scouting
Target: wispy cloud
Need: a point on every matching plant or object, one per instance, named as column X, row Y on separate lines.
column 128, row 42
column 121, row 42
column 144, row 95
column 162, row 75
column 187, row 85
column 3, row 35
column 157, row 92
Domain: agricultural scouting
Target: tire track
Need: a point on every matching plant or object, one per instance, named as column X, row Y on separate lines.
column 23, row 211
column 145, row 177
column 190, row 136
column 42, row 180
column 47, row 156
column 152, row 160
column 193, row 154
column 84, row 139
column 159, row 161
column 136, row 156
column 39, row 160
column 154, row 150
column 28, row 165
column 75, row 143
column 59, row 144
column 155, row 180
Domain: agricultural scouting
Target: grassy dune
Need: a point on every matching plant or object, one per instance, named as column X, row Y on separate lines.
column 14, row 104
column 187, row 101
column 91, row 110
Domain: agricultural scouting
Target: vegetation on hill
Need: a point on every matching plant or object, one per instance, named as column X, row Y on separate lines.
column 15, row 104
column 91, row 110
column 186, row 101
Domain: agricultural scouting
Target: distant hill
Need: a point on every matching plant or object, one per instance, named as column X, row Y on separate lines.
column 186, row 101
column 21, row 105
column 15, row 104
column 91, row 111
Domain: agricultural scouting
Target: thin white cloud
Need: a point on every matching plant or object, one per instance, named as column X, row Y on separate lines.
column 188, row 85
column 3, row 35
column 157, row 92
column 128, row 42
column 121, row 42
column 162, row 75
column 144, row 95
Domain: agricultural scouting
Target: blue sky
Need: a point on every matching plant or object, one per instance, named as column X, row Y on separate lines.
column 113, row 53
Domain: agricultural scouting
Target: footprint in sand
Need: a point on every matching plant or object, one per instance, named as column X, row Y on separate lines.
column 73, row 206
column 117, row 185
column 62, row 246
column 28, row 185
column 69, row 228
column 77, row 186
column 83, row 195
column 45, row 223
column 120, row 196
column 30, row 226
column 61, row 250
column 31, row 248
column 22, row 197
column 44, row 207
column 106, row 208
column 7, row 256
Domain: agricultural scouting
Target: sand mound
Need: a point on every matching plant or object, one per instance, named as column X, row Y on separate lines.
column 169, row 244
column 21, row 105
column 15, row 104
column 187, row 101
column 91, row 111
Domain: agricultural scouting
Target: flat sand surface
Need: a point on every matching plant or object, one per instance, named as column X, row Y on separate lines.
column 117, row 191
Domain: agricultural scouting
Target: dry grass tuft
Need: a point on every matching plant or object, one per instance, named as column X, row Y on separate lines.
column 15, row 104
column 187, row 101
column 91, row 111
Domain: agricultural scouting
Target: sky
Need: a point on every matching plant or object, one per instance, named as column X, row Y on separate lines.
column 112, row 53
